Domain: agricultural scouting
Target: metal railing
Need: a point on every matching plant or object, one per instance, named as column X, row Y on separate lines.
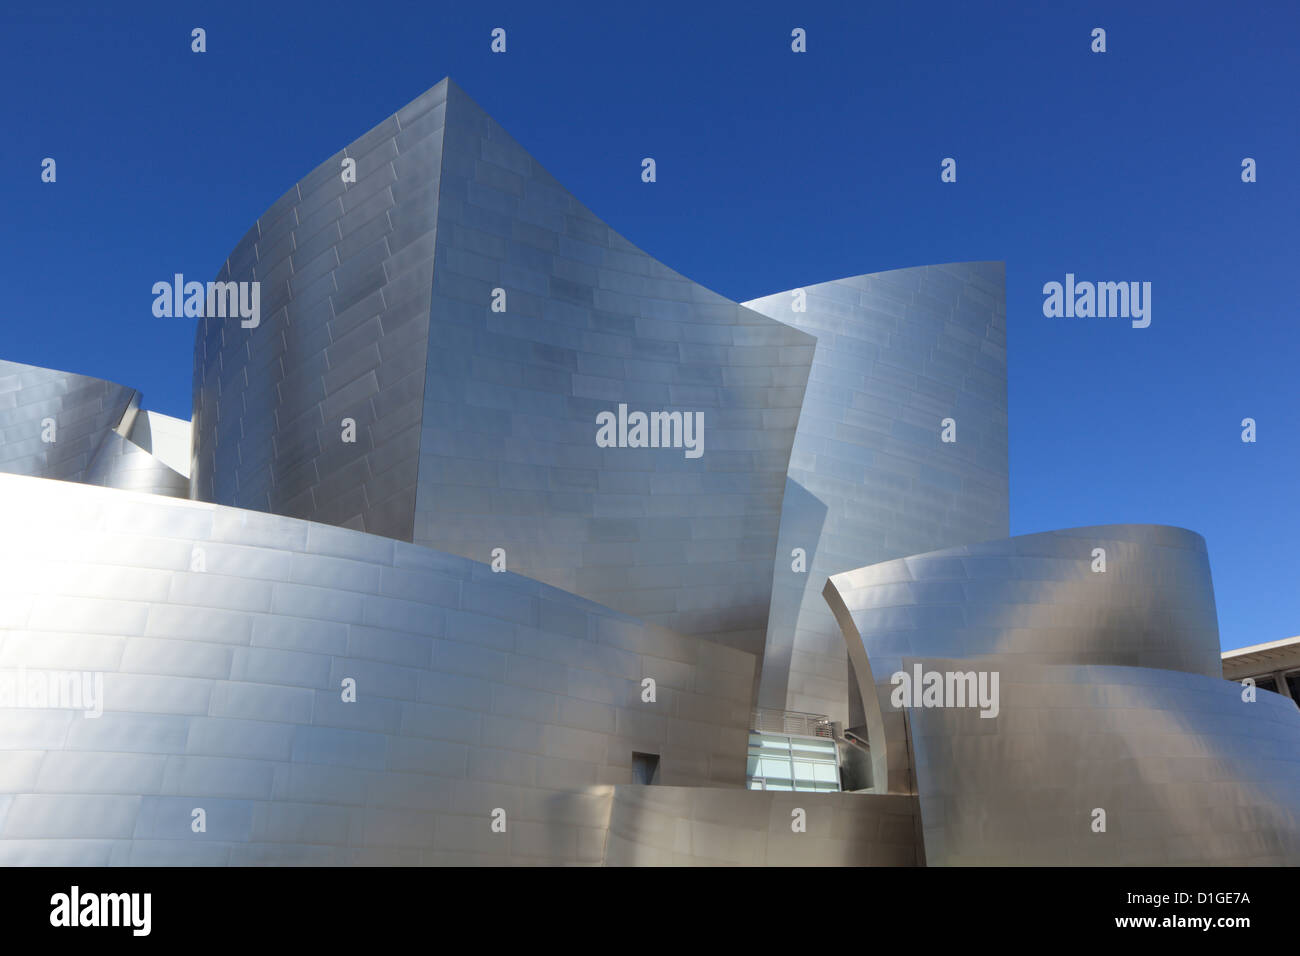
column 796, row 722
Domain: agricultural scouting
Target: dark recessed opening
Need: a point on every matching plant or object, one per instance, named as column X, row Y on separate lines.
column 645, row 767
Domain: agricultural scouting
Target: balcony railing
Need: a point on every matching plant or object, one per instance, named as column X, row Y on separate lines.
column 795, row 722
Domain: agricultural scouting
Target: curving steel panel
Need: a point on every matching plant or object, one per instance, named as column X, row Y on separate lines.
column 121, row 463
column 1035, row 598
column 1109, row 766
column 1111, row 738
column 476, row 426
column 223, row 639
column 83, row 412
column 438, row 336
column 345, row 270
column 508, row 452
column 697, row 826
column 870, row 477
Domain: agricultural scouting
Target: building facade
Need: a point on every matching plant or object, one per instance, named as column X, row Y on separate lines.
column 471, row 319
column 494, row 540
column 899, row 354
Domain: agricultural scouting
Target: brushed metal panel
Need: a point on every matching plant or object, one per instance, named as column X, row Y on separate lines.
column 222, row 690
column 869, row 478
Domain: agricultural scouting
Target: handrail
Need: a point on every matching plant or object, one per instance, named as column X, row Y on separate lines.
column 766, row 720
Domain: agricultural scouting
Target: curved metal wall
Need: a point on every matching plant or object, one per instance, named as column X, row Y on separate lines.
column 1034, row 598
column 508, row 456
column 1184, row 770
column 698, row 826
column 870, row 479
column 120, row 463
column 345, row 270
column 1110, row 701
column 476, row 429
column 1114, row 740
column 85, row 411
column 223, row 637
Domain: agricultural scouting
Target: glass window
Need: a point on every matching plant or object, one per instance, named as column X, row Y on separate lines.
column 803, row 747
column 826, row 773
column 779, row 762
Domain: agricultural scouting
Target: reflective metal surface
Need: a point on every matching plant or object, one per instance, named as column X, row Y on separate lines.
column 1110, row 700
column 508, row 451
column 1185, row 771
column 498, row 408
column 870, row 479
column 693, row 826
column 120, row 463
column 358, row 688
column 83, row 410
column 345, row 272
column 1034, row 597
column 223, row 690
column 61, row 425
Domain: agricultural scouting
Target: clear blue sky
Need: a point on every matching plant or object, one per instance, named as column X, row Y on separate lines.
column 775, row 170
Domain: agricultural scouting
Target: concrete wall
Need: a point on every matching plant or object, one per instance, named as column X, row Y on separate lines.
column 221, row 690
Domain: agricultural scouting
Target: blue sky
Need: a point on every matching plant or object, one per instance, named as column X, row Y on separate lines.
column 775, row 170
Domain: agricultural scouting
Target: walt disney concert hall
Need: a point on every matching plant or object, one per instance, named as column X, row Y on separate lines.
column 492, row 540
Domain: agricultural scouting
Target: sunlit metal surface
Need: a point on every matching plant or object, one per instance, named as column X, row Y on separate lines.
column 345, row 271
column 120, row 463
column 475, row 427
column 52, row 423
column 898, row 353
column 1184, row 770
column 61, row 425
column 1110, row 700
column 1035, row 596
column 223, row 690
column 435, row 342
column 691, row 826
